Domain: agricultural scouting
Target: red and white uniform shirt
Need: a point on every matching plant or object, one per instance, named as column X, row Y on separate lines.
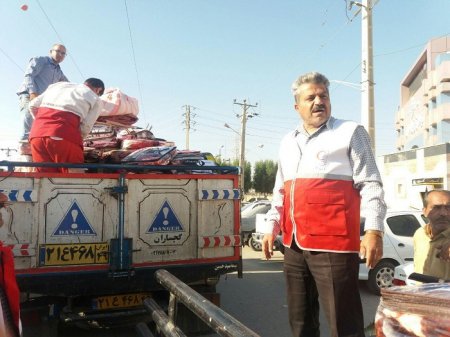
column 320, row 205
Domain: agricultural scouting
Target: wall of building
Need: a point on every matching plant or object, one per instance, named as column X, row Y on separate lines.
column 408, row 174
column 424, row 113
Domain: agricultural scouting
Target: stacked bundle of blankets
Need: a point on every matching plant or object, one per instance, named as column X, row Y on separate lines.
column 118, row 108
column 112, row 144
column 115, row 141
column 410, row 311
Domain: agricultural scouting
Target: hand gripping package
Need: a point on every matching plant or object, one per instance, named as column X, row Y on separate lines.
column 118, row 107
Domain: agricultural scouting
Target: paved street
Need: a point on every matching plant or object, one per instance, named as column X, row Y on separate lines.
column 258, row 300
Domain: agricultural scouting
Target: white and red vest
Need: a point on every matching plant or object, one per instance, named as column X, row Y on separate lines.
column 321, row 206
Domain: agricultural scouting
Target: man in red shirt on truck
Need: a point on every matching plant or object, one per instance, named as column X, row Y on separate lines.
column 64, row 114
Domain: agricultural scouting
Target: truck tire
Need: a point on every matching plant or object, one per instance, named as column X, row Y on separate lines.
column 381, row 276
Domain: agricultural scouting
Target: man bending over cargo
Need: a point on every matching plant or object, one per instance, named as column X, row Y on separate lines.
column 63, row 115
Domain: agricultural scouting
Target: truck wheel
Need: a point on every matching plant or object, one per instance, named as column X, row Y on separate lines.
column 254, row 245
column 381, row 276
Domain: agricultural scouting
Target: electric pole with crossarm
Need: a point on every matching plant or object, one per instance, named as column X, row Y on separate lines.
column 245, row 115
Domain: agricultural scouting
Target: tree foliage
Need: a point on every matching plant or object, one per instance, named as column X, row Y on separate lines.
column 247, row 174
column 264, row 176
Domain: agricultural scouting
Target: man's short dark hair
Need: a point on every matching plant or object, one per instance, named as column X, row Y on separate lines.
column 425, row 199
column 96, row 83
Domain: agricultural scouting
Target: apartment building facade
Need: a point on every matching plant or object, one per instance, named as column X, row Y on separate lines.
column 423, row 130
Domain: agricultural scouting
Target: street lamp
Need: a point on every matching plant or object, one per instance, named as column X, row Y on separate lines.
column 242, row 154
column 229, row 127
column 220, row 152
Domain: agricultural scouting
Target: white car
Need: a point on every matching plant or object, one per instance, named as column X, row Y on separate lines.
column 248, row 222
column 401, row 275
column 398, row 248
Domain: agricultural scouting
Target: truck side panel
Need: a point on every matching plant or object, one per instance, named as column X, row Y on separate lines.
column 65, row 231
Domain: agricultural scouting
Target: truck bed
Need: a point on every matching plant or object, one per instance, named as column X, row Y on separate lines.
column 104, row 233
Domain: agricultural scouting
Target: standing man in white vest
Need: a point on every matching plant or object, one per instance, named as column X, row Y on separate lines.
column 326, row 176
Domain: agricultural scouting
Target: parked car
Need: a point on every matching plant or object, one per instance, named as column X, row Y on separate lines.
column 404, row 275
column 257, row 199
column 399, row 228
column 248, row 222
column 277, row 243
column 401, row 274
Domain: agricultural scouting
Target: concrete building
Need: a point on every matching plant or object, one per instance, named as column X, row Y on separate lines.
column 423, row 118
column 423, row 130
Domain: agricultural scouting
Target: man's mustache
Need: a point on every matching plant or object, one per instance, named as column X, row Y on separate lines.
column 319, row 107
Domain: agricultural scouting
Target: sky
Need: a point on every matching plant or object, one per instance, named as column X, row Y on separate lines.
column 211, row 54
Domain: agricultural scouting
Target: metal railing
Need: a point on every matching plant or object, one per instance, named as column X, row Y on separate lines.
column 218, row 320
column 143, row 168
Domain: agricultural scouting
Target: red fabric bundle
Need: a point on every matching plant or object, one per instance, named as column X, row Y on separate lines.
column 134, row 144
column 9, row 285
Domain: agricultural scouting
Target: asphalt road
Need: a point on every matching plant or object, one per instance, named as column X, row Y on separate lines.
column 258, row 300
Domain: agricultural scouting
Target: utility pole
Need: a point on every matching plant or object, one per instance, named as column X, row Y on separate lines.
column 245, row 106
column 367, row 83
column 187, row 122
column 8, row 151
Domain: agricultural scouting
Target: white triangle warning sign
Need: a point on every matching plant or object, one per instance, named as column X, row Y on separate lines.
column 74, row 222
column 165, row 220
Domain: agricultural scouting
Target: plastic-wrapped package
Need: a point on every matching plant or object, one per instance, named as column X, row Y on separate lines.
column 134, row 144
column 115, row 103
column 118, row 107
column 130, row 133
column 115, row 156
column 158, row 155
column 106, row 143
column 414, row 311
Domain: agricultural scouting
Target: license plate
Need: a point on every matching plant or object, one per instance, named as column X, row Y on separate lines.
column 119, row 301
column 73, row 254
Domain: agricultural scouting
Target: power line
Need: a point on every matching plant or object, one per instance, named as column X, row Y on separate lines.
column 215, row 113
column 402, row 50
column 337, row 32
column 134, row 58
column 59, row 37
column 12, row 61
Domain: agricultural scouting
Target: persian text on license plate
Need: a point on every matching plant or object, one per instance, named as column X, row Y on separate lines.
column 119, row 301
column 73, row 254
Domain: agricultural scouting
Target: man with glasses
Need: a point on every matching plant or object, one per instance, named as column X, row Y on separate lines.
column 40, row 73
column 327, row 176
column 432, row 242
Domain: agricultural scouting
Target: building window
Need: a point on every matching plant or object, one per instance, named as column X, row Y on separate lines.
column 401, row 190
column 416, row 83
column 433, row 130
column 442, row 98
